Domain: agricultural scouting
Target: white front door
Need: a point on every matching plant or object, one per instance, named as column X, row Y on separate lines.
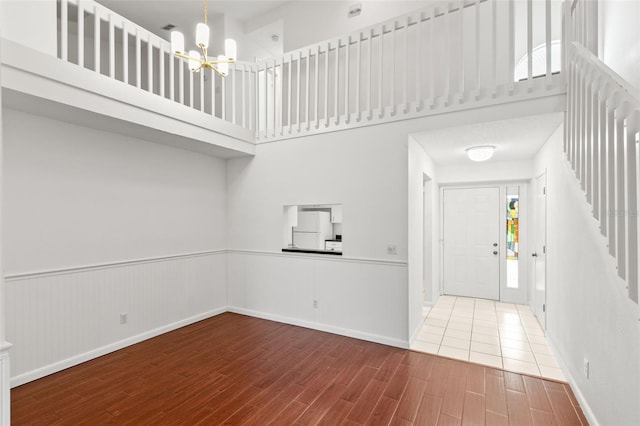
column 471, row 231
column 540, row 251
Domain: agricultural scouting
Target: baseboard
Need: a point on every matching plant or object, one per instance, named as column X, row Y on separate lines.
column 112, row 347
column 415, row 332
column 323, row 327
column 586, row 409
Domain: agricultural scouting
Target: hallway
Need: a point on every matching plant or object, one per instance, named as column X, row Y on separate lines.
column 501, row 335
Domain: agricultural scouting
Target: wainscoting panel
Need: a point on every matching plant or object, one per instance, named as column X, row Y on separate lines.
column 61, row 318
column 365, row 299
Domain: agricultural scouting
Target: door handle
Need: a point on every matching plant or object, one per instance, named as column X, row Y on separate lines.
column 495, row 244
column 495, row 252
column 534, row 254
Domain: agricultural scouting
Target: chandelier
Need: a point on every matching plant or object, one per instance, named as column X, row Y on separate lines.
column 200, row 60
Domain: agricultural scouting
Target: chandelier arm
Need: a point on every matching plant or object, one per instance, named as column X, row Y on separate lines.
column 182, row 55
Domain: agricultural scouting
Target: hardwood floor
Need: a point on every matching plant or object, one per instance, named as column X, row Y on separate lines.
column 233, row 369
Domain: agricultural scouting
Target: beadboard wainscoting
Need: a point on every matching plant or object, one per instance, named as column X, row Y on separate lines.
column 57, row 319
column 365, row 299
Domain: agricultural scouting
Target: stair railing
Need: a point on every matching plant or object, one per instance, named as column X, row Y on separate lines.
column 601, row 143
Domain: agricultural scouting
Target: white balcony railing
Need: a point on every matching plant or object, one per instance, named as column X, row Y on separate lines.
column 98, row 39
column 452, row 55
column 448, row 56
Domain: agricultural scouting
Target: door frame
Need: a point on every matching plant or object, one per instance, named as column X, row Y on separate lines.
column 507, row 295
column 536, row 245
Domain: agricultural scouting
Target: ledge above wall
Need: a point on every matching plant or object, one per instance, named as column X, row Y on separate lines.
column 44, row 85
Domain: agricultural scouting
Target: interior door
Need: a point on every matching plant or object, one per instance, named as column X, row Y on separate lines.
column 540, row 250
column 471, row 231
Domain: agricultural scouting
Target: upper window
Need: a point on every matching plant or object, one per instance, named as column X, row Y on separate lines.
column 539, row 54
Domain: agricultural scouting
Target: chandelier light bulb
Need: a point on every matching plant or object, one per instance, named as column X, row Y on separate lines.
column 202, row 35
column 194, row 64
column 480, row 153
column 177, row 42
column 230, row 49
column 223, row 67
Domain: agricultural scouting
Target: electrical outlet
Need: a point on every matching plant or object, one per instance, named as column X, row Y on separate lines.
column 124, row 318
column 585, row 368
column 392, row 249
column 315, row 304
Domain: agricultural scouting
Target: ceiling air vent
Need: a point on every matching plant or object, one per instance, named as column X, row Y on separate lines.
column 168, row 27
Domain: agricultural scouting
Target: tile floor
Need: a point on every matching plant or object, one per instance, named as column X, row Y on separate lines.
column 501, row 335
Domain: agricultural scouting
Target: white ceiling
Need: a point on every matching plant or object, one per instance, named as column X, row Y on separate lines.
column 184, row 14
column 514, row 139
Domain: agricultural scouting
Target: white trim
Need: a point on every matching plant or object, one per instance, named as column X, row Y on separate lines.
column 323, row 257
column 112, row 347
column 323, row 327
column 584, row 405
column 107, row 265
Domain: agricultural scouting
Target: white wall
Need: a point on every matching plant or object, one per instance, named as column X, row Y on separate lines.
column 365, row 170
column 77, row 196
column 485, row 172
column 419, row 165
column 589, row 314
column 96, row 203
column 31, row 23
column 619, row 21
column 308, row 22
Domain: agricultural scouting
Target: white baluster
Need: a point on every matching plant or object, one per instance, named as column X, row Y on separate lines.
column 405, row 79
column 494, row 49
column 392, row 77
column 290, row 101
column 298, row 89
column 161, row 79
column 336, row 86
column 611, row 174
column 633, row 125
column 380, row 75
column 213, row 77
column 244, row 96
column 172, row 76
column 223, row 98
column 418, row 57
column 477, row 48
column 96, row 39
column 620, row 192
column 326, row 86
column 511, row 48
column 150, row 65
column 602, row 142
column 125, row 53
column 64, row 29
column 191, row 97
column 138, row 60
column 317, row 88
column 112, row 48
column 307, row 86
column 81, row 33
column 201, row 76
column 547, row 5
column 530, row 45
column 347, row 68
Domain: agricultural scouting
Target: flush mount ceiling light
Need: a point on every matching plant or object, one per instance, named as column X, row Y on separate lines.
column 199, row 60
column 480, row 153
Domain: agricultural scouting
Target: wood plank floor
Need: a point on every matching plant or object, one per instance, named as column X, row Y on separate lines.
column 233, row 369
